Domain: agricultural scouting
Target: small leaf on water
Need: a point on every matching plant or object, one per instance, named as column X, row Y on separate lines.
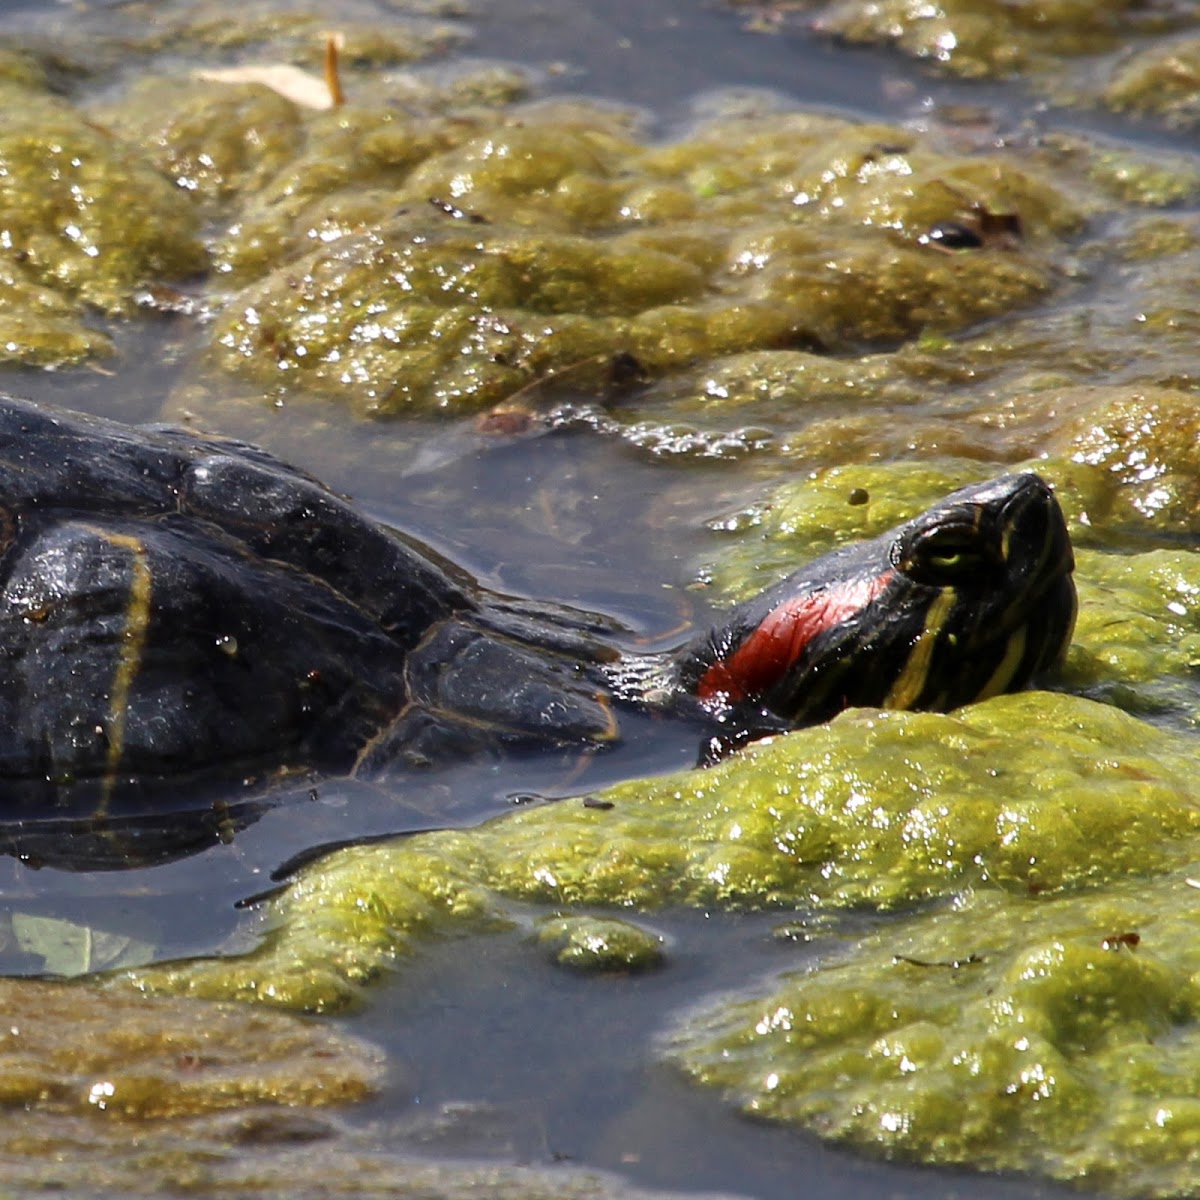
column 67, row 948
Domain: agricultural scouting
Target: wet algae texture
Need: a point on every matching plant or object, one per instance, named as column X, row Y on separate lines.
column 1127, row 55
column 450, row 252
column 995, row 836
column 564, row 241
column 441, row 243
column 85, row 222
column 1042, row 1013
column 104, row 1093
column 1060, row 1036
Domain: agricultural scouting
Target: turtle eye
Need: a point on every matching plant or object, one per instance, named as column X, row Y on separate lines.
column 945, row 555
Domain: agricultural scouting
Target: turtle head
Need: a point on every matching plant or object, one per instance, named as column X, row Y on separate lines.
column 990, row 568
column 969, row 599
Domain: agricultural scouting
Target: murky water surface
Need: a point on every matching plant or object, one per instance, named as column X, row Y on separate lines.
column 493, row 1055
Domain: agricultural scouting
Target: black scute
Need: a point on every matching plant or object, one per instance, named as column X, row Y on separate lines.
column 87, row 464
column 283, row 515
column 245, row 662
column 66, row 460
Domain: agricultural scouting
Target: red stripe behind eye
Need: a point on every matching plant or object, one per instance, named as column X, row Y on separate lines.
column 769, row 651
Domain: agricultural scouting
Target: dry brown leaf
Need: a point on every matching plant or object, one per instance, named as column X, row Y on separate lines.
column 297, row 85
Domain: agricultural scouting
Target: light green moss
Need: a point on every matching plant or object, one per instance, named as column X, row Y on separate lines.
column 595, row 944
column 1060, row 1036
column 847, row 814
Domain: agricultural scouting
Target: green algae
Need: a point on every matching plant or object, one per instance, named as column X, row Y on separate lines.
column 112, row 1094
column 18, row 66
column 974, row 38
column 213, row 28
column 595, row 944
column 1126, row 172
column 83, row 224
column 73, row 1051
column 879, row 811
column 301, row 1158
column 551, row 243
column 213, row 140
column 1060, row 1036
column 40, row 327
column 1163, row 80
column 1137, row 636
column 95, row 204
column 1125, row 320
column 81, row 213
column 1148, row 440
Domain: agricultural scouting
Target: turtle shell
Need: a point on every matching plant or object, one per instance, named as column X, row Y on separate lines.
column 177, row 610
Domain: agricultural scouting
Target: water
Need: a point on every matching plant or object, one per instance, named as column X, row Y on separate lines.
column 557, row 1066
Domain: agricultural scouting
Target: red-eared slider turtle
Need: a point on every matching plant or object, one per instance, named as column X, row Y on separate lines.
column 180, row 611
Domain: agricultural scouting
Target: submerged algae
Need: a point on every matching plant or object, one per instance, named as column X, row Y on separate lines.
column 873, row 810
column 73, row 1051
column 111, row 1094
column 1059, row 1036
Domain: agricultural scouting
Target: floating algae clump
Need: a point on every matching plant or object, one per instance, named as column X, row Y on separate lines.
column 82, row 214
column 1058, row 1036
column 872, row 810
column 599, row 943
column 547, row 241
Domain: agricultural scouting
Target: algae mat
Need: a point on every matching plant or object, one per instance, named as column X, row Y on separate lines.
column 1046, row 999
column 787, row 284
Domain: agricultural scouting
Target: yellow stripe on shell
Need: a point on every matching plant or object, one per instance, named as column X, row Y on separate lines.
column 910, row 683
column 133, row 644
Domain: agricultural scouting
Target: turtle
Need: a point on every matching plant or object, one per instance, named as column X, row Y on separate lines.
column 183, row 613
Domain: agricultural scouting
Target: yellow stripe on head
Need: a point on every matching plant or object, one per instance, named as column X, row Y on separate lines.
column 911, row 681
column 1002, row 676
